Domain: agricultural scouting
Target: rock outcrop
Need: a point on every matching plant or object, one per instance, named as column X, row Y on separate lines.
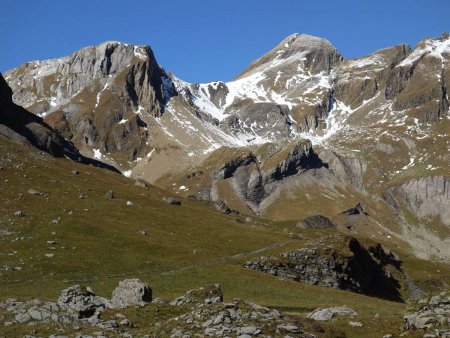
column 256, row 175
column 345, row 265
column 209, row 316
column 95, row 97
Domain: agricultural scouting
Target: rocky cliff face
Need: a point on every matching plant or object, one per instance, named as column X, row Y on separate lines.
column 22, row 127
column 96, row 96
column 256, row 176
column 426, row 197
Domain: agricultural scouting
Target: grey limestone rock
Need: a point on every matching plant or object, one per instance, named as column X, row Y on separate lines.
column 326, row 314
column 131, row 292
column 427, row 315
column 171, row 201
column 81, row 302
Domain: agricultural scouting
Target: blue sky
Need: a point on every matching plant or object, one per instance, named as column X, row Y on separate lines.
column 206, row 40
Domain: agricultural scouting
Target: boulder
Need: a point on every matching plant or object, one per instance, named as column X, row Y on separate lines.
column 357, row 210
column 171, row 201
column 324, row 314
column 34, row 192
column 131, row 292
column 222, row 207
column 142, row 183
column 81, row 302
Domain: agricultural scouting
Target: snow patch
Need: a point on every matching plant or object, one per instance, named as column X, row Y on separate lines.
column 97, row 154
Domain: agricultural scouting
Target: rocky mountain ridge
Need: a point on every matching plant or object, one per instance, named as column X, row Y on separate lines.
column 373, row 124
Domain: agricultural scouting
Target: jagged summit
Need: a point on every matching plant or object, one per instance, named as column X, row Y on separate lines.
column 95, row 96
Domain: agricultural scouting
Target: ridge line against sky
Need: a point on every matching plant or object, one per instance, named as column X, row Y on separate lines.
column 204, row 40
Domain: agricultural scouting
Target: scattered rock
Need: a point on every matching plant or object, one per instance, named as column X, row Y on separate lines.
column 125, row 322
column 171, row 201
column 427, row 315
column 288, row 329
column 131, row 292
column 355, row 324
column 209, row 294
column 357, row 210
column 249, row 330
column 142, row 183
column 129, row 203
column 158, row 301
column 49, row 255
column 109, row 195
column 207, row 315
column 222, row 207
column 143, row 232
column 326, row 314
column 55, row 221
column 22, row 318
column 195, row 174
column 75, row 172
column 19, row 213
column 34, row 192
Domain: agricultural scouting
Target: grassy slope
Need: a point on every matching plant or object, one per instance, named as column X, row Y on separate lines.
column 99, row 244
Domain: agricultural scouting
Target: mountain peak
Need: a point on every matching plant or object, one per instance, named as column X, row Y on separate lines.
column 304, row 40
column 317, row 54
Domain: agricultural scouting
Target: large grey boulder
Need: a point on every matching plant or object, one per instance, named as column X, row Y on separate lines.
column 131, row 292
column 81, row 302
